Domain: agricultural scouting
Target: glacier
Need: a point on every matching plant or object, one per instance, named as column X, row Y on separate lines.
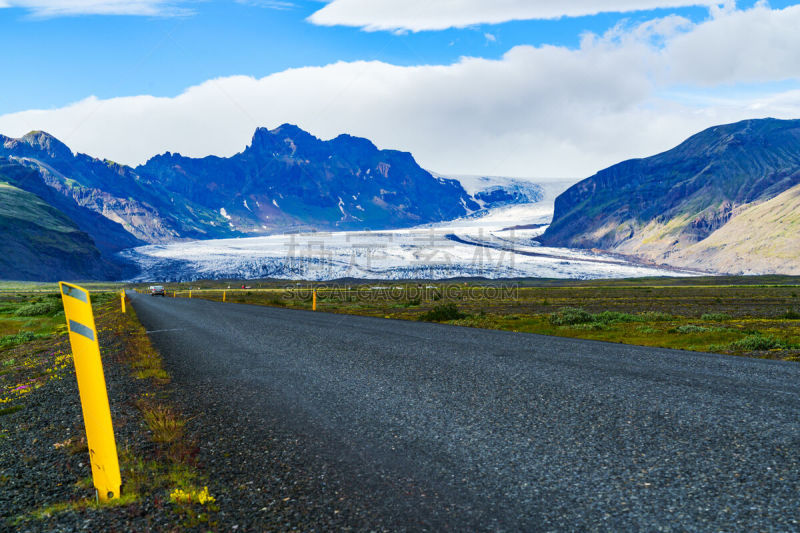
column 494, row 243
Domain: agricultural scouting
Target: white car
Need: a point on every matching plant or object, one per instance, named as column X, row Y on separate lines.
column 157, row 290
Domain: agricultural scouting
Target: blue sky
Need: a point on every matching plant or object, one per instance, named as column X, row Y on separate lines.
column 61, row 62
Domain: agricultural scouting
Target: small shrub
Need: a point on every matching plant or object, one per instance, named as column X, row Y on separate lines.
column 50, row 306
column 647, row 330
column 719, row 317
column 756, row 343
column 590, row 326
column 691, row 328
column 22, row 337
column 414, row 302
column 790, row 314
column 443, row 313
column 609, row 317
column 569, row 316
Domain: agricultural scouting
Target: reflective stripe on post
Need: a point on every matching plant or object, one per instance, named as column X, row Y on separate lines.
column 92, row 389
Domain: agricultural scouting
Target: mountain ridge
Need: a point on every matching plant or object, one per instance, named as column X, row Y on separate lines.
column 655, row 207
column 286, row 179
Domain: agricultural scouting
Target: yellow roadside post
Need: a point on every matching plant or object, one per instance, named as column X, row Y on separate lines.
column 223, row 296
column 122, row 297
column 314, row 300
column 190, row 294
column 92, row 389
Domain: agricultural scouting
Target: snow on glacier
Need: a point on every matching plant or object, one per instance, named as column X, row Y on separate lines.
column 498, row 244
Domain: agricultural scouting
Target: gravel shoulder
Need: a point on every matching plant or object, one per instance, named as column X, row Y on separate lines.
column 45, row 478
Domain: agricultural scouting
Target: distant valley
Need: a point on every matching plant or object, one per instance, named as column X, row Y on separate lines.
column 285, row 180
column 726, row 200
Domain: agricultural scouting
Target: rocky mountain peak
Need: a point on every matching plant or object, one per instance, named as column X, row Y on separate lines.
column 354, row 144
column 264, row 137
column 43, row 141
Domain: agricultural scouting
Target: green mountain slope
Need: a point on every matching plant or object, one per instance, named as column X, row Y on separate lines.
column 763, row 238
column 654, row 208
column 109, row 236
column 38, row 242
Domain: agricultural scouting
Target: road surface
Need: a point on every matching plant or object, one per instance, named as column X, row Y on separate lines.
column 316, row 421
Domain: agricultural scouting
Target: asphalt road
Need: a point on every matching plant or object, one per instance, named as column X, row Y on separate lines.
column 318, row 421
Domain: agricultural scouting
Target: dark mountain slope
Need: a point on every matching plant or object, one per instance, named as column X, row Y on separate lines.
column 286, row 179
column 114, row 191
column 289, row 178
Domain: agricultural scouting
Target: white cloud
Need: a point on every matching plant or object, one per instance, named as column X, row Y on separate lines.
column 537, row 111
column 420, row 15
column 280, row 5
column 58, row 8
column 739, row 46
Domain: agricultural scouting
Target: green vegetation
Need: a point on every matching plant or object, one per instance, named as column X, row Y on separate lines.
column 162, row 421
column 7, row 341
column 758, row 342
column 171, row 467
column 692, row 328
column 39, row 239
column 719, row 317
column 572, row 315
column 10, row 410
column 25, row 318
column 443, row 313
column 791, row 314
column 42, row 305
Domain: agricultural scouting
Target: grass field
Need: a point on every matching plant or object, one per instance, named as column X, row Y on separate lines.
column 26, row 287
column 757, row 316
